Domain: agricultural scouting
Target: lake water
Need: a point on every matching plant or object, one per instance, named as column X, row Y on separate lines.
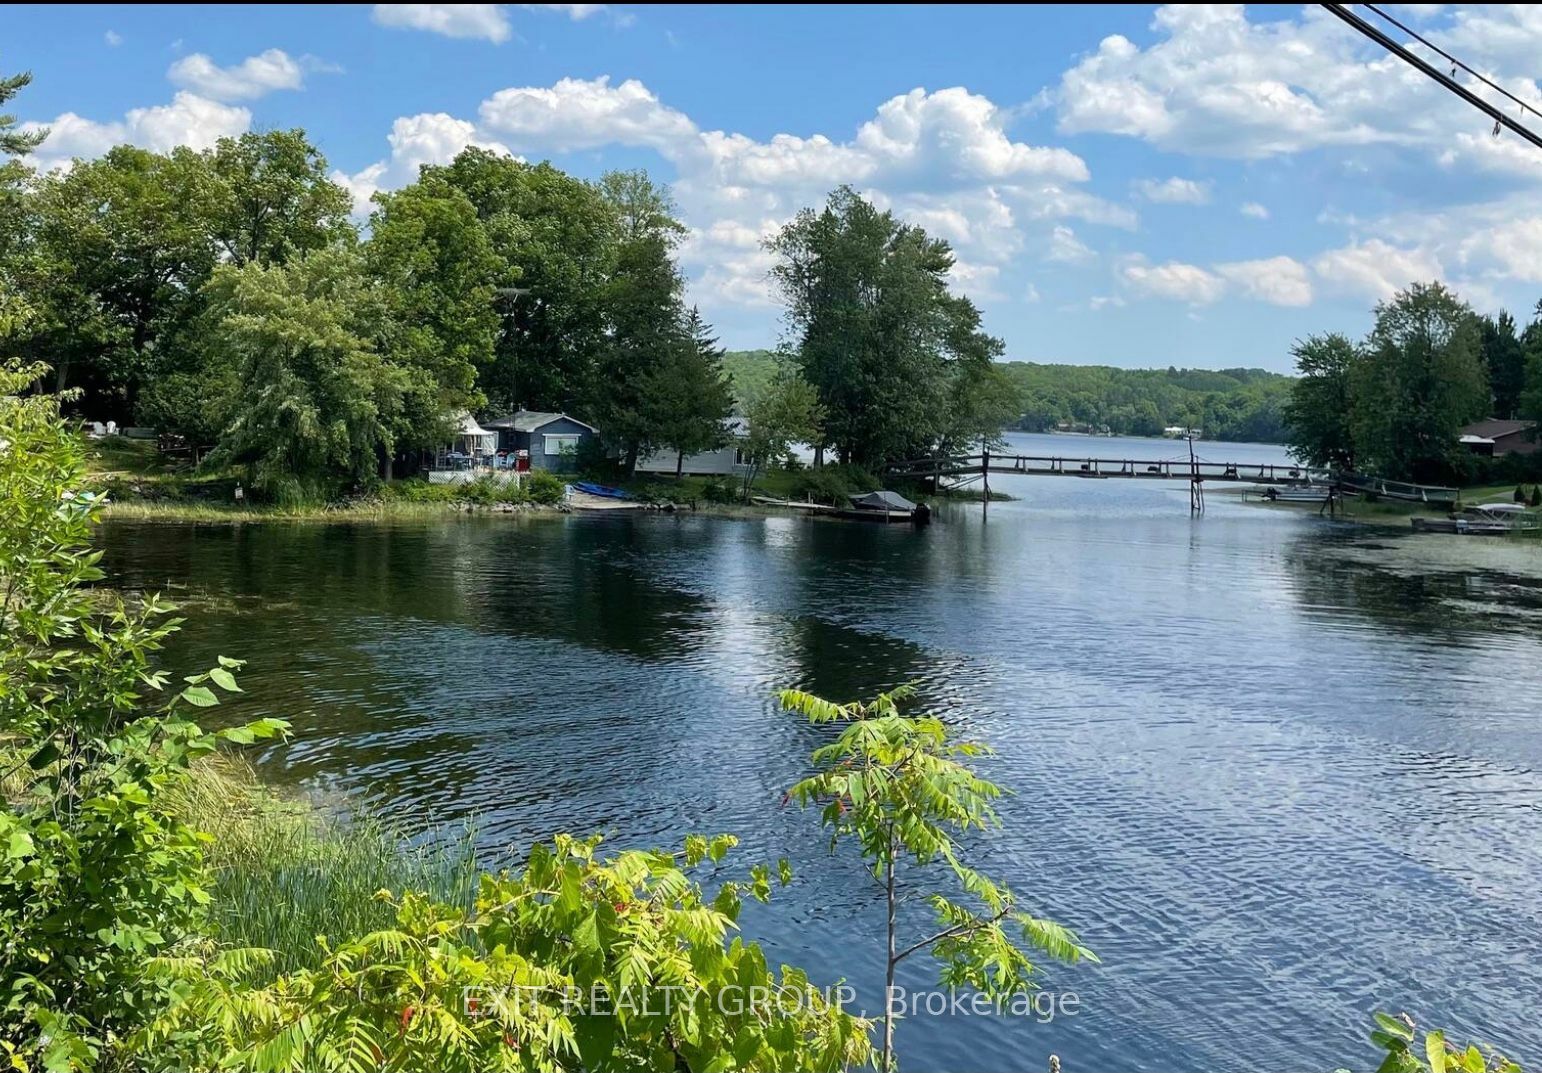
column 1277, row 771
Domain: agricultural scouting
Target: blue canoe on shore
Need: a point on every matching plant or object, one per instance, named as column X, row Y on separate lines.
column 601, row 490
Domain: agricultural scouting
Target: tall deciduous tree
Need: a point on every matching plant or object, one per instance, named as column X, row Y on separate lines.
column 437, row 274
column 556, row 237
column 270, row 198
column 686, row 396
column 1505, row 360
column 1318, row 414
column 877, row 331
column 1421, row 380
column 122, row 251
column 319, row 403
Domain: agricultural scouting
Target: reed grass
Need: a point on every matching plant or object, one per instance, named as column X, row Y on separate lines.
column 285, row 871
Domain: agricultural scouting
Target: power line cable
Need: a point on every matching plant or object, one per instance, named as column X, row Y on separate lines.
column 1499, row 118
column 1525, row 107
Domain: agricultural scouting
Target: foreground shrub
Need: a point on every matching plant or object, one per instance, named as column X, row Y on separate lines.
column 1435, row 1054
column 97, row 872
column 576, row 961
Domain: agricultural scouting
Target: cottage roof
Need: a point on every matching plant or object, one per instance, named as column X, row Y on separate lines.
column 1495, row 428
column 530, row 420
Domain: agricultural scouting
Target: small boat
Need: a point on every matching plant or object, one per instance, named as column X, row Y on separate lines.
column 1295, row 493
column 601, row 490
column 1487, row 519
column 885, row 506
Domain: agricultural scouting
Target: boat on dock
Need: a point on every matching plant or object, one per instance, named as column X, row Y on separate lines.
column 1486, row 519
column 884, row 506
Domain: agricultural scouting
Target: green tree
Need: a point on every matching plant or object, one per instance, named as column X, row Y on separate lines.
column 648, row 349
column 556, row 237
column 1530, row 404
column 1505, row 360
column 270, row 199
column 437, row 274
column 1421, row 380
column 877, row 331
column 14, row 147
column 15, row 142
column 688, row 396
column 319, row 402
column 983, row 401
column 1320, row 411
column 785, row 412
column 121, row 254
column 903, row 791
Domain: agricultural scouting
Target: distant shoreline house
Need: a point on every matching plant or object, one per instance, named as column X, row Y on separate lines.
column 553, row 440
column 1497, row 437
column 730, row 460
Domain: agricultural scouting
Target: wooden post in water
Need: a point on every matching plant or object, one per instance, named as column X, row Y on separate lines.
column 985, row 479
column 1196, row 487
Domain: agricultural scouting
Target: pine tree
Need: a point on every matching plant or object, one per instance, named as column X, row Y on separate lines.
column 688, row 395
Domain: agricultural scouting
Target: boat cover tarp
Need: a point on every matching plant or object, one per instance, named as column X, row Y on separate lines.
column 882, row 501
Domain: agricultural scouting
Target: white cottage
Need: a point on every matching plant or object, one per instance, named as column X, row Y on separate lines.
column 730, row 460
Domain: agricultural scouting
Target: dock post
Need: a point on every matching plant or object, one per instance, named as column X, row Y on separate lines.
column 985, row 479
column 1196, row 487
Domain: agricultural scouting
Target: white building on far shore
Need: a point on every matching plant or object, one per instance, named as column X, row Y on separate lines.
column 730, row 460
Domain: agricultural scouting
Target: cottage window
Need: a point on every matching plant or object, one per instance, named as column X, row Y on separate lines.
column 555, row 445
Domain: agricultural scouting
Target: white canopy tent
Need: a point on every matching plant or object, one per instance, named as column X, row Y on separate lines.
column 473, row 439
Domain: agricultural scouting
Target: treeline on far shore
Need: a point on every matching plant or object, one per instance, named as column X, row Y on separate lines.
column 1225, row 404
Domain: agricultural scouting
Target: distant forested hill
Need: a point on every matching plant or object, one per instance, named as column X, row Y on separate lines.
column 1228, row 404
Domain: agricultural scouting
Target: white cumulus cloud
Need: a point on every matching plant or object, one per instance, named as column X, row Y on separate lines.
column 1255, row 210
column 1280, row 281
column 489, row 22
column 1173, row 280
column 1375, row 269
column 253, row 77
column 189, row 120
column 1174, row 191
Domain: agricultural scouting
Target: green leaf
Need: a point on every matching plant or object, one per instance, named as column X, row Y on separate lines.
column 586, row 936
column 1435, row 1051
column 20, row 845
column 200, row 696
column 596, row 1037
column 225, row 680
column 239, row 735
column 1394, row 1026
column 44, row 756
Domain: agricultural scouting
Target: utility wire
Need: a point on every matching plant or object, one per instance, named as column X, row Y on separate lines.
column 1499, row 118
column 1525, row 107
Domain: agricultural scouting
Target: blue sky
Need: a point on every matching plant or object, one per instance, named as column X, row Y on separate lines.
column 1126, row 185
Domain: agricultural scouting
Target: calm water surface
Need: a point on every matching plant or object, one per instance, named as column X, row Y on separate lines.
column 1277, row 771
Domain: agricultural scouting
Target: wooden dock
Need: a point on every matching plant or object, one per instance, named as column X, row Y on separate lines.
column 1196, row 472
column 1165, row 469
